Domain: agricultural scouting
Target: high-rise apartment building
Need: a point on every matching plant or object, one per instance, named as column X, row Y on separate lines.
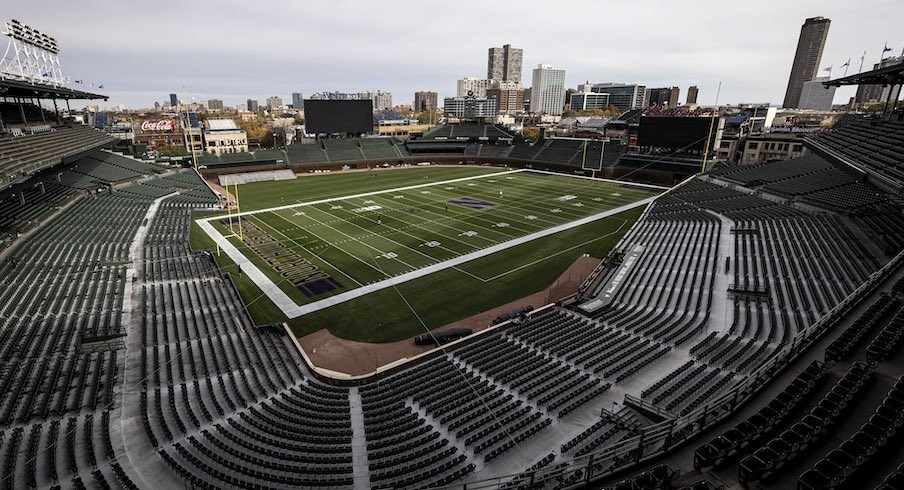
column 382, row 100
column 473, row 85
column 297, row 100
column 215, row 105
column 509, row 100
column 504, row 63
column 252, row 105
column 625, row 96
column 663, row 97
column 425, row 101
column 173, row 101
column 469, row 107
column 274, row 102
column 812, row 40
column 547, row 90
column 816, row 96
column 872, row 93
column 692, row 92
column 582, row 101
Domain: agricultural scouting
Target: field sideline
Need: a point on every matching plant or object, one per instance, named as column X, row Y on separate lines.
column 488, row 228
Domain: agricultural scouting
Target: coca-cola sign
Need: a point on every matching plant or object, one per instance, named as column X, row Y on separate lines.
column 163, row 125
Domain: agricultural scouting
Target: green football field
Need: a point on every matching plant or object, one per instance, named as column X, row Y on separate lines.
column 453, row 241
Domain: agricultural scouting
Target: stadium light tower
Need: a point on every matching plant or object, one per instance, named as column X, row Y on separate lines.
column 31, row 55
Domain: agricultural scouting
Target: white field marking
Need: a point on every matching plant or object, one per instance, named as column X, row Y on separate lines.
column 262, row 223
column 293, row 310
column 409, row 225
column 497, row 276
column 366, row 194
column 355, row 239
column 391, row 230
column 329, row 244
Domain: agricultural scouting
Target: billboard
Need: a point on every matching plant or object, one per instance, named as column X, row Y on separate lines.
column 338, row 116
column 675, row 133
column 161, row 125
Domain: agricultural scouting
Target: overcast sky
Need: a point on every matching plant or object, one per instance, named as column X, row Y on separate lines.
column 235, row 50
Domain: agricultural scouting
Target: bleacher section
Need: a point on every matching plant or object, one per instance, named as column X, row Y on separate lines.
column 815, row 181
column 324, row 151
column 374, row 148
column 875, row 145
column 467, row 132
column 28, row 154
column 126, row 355
column 25, row 204
column 342, row 150
column 11, row 115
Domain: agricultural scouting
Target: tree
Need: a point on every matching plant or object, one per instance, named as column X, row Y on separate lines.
column 427, row 117
column 173, row 151
column 532, row 134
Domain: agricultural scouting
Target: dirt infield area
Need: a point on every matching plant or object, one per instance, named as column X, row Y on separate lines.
column 355, row 358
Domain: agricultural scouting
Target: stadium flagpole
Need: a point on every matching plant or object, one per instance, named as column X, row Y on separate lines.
column 709, row 136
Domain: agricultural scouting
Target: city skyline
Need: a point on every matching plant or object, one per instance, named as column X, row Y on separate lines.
column 348, row 52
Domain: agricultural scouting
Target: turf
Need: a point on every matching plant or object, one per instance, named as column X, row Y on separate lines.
column 413, row 229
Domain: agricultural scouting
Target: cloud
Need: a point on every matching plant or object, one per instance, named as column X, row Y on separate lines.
column 234, row 50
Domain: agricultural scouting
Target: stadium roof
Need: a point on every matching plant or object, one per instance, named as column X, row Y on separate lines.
column 221, row 124
column 890, row 75
column 28, row 90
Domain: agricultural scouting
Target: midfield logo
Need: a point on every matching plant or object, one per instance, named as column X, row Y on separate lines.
column 471, row 203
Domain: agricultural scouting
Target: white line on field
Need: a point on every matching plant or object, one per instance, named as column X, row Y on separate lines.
column 293, row 310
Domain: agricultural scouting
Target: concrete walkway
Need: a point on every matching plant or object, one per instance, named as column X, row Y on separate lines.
column 722, row 315
column 141, row 463
column 360, row 466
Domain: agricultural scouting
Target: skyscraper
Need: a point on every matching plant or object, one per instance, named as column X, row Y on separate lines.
column 252, row 105
column 548, row 90
column 812, row 40
column 816, row 96
column 692, row 94
column 472, row 85
column 173, row 101
column 624, row 96
column 663, row 96
column 274, row 102
column 297, row 100
column 425, row 101
column 504, row 64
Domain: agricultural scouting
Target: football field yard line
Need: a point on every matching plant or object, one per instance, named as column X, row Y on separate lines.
column 535, row 262
column 275, row 213
column 264, row 223
column 409, row 225
column 514, row 182
column 476, row 216
column 527, row 203
column 294, row 310
column 354, row 239
column 367, row 194
column 395, row 230
column 440, row 222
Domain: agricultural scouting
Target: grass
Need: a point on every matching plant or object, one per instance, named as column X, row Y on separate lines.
column 353, row 246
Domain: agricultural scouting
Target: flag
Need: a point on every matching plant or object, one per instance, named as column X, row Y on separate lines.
column 46, row 74
column 78, row 81
column 100, row 86
column 847, row 63
column 828, row 68
column 886, row 49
